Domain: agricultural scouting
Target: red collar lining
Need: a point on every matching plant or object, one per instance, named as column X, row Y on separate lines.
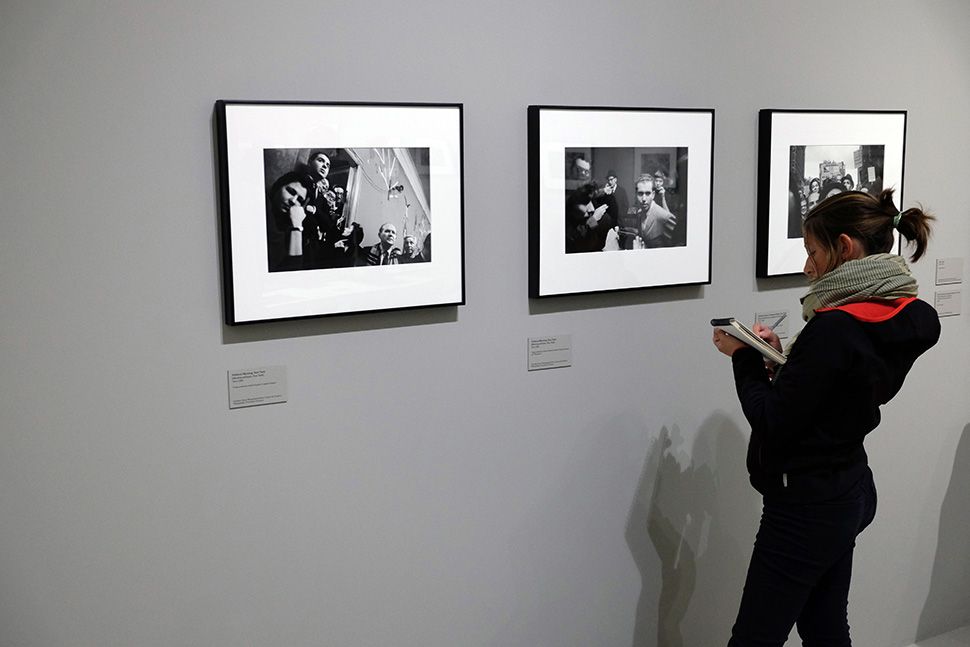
column 873, row 311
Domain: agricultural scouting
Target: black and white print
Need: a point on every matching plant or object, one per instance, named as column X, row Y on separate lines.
column 625, row 199
column 817, row 172
column 327, row 208
column 332, row 208
column 805, row 156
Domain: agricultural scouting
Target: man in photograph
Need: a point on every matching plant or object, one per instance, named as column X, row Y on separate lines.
column 645, row 226
column 656, row 222
column 341, row 199
column 616, row 195
column 579, row 170
column 384, row 252
column 317, row 169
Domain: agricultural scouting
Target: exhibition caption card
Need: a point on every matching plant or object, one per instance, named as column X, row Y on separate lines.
column 253, row 387
column 552, row 351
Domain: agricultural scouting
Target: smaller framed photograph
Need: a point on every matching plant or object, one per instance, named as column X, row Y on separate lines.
column 619, row 198
column 805, row 156
column 329, row 208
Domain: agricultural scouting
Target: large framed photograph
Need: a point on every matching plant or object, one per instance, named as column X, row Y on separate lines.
column 619, row 198
column 329, row 208
column 805, row 156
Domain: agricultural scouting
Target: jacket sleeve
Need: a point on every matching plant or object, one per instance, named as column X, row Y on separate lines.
column 802, row 393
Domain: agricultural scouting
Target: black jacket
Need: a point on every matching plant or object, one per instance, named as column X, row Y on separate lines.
column 808, row 426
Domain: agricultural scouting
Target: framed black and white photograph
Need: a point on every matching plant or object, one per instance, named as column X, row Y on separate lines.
column 807, row 156
column 329, row 208
column 619, row 198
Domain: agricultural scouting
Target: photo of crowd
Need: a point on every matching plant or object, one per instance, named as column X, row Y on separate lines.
column 817, row 172
column 625, row 198
column 345, row 207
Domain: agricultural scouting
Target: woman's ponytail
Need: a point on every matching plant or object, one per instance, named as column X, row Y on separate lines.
column 913, row 224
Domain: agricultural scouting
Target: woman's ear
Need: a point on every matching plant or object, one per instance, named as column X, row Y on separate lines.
column 849, row 248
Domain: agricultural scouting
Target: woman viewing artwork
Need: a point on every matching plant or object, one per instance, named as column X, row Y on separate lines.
column 865, row 329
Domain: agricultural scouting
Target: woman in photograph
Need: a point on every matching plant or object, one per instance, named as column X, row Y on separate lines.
column 865, row 328
column 848, row 182
column 814, row 185
column 292, row 234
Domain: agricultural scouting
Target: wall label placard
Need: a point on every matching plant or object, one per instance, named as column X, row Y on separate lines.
column 252, row 387
column 948, row 302
column 949, row 271
column 551, row 351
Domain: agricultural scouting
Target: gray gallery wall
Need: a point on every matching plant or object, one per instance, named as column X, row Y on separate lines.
column 421, row 487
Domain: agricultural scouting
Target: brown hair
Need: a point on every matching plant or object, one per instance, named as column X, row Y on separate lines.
column 868, row 219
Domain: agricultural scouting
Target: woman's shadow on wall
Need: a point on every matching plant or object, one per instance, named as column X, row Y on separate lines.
column 688, row 511
column 946, row 603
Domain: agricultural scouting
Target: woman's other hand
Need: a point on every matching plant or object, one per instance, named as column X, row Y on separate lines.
column 726, row 343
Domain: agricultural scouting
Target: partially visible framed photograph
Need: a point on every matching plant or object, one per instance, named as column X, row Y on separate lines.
column 805, row 156
column 328, row 208
column 619, row 198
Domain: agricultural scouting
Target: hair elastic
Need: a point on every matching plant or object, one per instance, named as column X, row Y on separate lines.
column 896, row 220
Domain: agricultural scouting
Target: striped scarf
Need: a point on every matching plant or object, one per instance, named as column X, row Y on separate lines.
column 878, row 277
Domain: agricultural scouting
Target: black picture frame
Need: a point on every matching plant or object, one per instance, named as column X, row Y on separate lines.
column 295, row 247
column 869, row 146
column 653, row 247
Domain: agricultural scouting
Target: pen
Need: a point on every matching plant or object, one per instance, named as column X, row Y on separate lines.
column 780, row 319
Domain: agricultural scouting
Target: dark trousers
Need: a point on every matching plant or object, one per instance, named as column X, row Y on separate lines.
column 800, row 571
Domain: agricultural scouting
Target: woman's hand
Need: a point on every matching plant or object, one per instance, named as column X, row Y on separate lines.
column 726, row 343
column 768, row 335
